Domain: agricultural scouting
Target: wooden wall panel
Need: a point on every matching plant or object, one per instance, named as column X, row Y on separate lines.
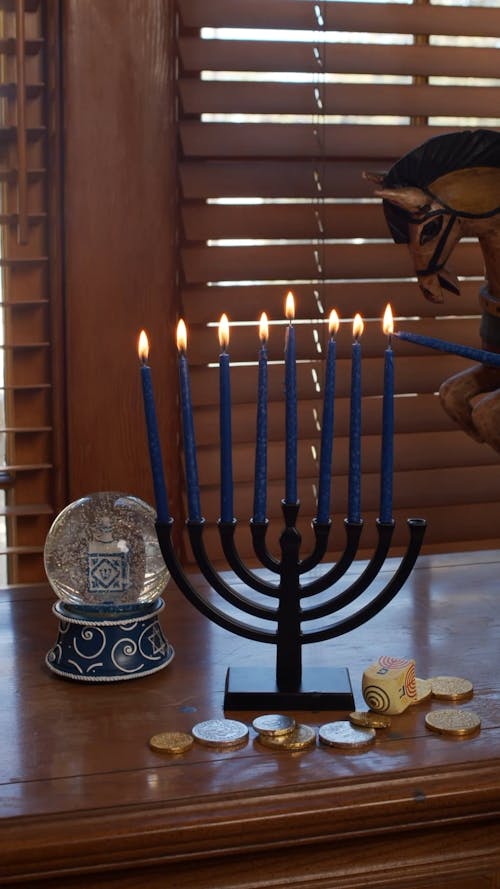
column 120, row 234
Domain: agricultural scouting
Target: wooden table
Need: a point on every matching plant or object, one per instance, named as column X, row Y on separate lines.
column 85, row 802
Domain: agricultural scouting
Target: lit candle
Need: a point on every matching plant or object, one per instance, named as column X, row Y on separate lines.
column 325, row 460
column 387, row 455
column 155, row 457
column 193, row 488
column 480, row 355
column 290, row 405
column 260, row 484
column 226, row 460
column 354, row 492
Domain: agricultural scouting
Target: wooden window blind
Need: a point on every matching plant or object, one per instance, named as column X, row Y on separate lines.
column 31, row 430
column 282, row 106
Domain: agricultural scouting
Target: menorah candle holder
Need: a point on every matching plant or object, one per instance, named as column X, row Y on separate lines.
column 290, row 686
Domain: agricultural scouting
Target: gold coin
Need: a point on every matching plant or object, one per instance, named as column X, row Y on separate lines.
column 367, row 719
column 451, row 688
column 424, row 690
column 171, row 742
column 274, row 725
column 299, row 738
column 453, row 722
column 346, row 736
column 221, row 733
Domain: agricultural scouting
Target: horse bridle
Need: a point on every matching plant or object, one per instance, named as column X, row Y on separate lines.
column 434, row 264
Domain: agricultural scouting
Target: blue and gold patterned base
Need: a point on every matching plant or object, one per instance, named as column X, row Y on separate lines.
column 106, row 646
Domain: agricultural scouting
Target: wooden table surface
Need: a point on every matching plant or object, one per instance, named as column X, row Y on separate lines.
column 85, row 802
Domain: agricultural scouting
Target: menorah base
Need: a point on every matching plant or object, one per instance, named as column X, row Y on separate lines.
column 255, row 688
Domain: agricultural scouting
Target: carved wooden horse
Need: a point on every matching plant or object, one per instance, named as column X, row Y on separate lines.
column 447, row 189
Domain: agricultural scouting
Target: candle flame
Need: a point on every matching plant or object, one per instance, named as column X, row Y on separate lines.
column 181, row 336
column 388, row 323
column 263, row 328
column 224, row 332
column 357, row 326
column 333, row 323
column 143, row 346
column 290, row 306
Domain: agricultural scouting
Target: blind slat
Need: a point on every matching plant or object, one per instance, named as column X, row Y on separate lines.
column 357, row 58
column 204, row 304
column 341, row 141
column 31, row 47
column 341, row 98
column 414, row 452
column 354, row 220
column 421, row 411
column 311, row 339
column 301, row 262
column 398, row 18
column 414, row 374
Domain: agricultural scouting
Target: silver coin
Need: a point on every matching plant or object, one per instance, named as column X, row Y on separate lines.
column 424, row 691
column 274, row 724
column 220, row 732
column 345, row 735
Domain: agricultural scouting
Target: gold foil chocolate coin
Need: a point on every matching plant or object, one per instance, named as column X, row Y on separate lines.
column 424, row 690
column 301, row 737
column 453, row 722
column 367, row 719
column 274, row 725
column 171, row 742
column 221, row 733
column 451, row 688
column 346, row 736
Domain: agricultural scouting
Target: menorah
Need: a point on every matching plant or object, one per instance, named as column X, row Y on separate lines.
column 288, row 686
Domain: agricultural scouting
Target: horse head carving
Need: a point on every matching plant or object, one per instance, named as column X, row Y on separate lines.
column 444, row 190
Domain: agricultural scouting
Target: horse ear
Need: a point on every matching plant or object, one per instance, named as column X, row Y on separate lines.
column 408, row 198
column 378, row 178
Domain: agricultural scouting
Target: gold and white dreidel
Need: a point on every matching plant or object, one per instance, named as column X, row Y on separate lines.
column 389, row 684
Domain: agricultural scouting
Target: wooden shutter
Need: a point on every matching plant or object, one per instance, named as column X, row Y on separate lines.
column 31, row 431
column 274, row 138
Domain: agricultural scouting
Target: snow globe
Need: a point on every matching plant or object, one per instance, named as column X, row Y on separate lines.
column 104, row 563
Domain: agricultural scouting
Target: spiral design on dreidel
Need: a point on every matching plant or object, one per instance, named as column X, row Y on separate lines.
column 376, row 698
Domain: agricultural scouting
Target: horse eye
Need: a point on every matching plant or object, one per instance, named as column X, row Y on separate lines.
column 430, row 230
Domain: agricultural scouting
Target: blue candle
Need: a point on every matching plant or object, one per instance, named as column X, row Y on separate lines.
column 190, row 461
column 155, row 457
column 325, row 460
column 387, row 455
column 226, row 459
column 260, row 484
column 354, row 487
column 480, row 355
column 290, row 406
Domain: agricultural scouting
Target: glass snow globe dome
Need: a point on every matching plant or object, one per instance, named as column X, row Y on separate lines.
column 102, row 554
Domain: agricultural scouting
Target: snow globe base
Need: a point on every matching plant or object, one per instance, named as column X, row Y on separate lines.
column 107, row 647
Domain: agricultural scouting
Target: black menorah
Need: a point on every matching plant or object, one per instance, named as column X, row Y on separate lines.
column 290, row 686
